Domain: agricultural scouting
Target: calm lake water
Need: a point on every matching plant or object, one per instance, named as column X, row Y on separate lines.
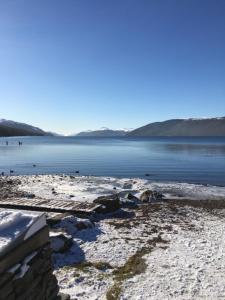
column 193, row 160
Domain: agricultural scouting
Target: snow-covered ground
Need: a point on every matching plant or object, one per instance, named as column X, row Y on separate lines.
column 168, row 250
column 186, row 262
column 88, row 188
column 190, row 268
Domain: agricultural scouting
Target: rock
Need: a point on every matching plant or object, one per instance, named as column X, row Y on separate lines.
column 28, row 195
column 55, row 219
column 151, row 196
column 127, row 185
column 129, row 201
column 71, row 224
column 61, row 243
column 130, row 196
column 109, row 203
column 84, row 224
column 126, row 203
column 62, row 296
column 146, row 196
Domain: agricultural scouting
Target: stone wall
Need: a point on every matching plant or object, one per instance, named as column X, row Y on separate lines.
column 31, row 279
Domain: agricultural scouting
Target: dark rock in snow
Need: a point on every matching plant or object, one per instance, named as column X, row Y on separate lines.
column 129, row 201
column 61, row 243
column 126, row 203
column 130, row 196
column 109, row 203
column 80, row 225
column 127, row 185
column 151, row 196
column 62, row 296
column 28, row 195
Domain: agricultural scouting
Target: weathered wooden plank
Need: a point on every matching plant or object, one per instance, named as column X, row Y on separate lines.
column 60, row 206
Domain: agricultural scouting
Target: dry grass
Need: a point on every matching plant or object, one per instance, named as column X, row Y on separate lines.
column 135, row 265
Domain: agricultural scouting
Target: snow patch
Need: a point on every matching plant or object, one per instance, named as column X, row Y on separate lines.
column 13, row 224
column 88, row 188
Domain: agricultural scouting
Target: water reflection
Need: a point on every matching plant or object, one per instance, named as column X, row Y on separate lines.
column 201, row 149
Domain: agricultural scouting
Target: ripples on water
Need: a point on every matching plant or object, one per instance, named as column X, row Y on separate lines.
column 197, row 160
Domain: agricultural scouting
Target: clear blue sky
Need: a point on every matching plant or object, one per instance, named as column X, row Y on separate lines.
column 73, row 65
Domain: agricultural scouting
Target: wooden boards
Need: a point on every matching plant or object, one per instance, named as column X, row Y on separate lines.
column 59, row 206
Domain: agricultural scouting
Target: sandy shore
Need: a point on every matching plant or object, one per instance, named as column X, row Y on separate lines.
column 168, row 250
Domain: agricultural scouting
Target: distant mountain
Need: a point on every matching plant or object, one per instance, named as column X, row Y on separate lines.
column 11, row 128
column 104, row 132
column 183, row 127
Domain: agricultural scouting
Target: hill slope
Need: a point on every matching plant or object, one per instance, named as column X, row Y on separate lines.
column 183, row 127
column 103, row 133
column 11, row 128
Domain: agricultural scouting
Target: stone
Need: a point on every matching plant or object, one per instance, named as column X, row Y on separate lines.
column 84, row 225
column 126, row 203
column 32, row 279
column 62, row 296
column 151, row 196
column 130, row 196
column 127, row 185
column 6, row 290
column 21, row 283
column 7, row 276
column 28, row 195
column 40, row 266
column 11, row 297
column 61, row 243
column 129, row 201
column 109, row 203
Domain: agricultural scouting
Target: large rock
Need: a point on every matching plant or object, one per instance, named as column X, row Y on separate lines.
column 151, row 196
column 108, row 203
column 129, row 201
column 61, row 243
column 130, row 196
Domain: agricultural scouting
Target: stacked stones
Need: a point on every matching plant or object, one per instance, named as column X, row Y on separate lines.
column 33, row 280
column 26, row 270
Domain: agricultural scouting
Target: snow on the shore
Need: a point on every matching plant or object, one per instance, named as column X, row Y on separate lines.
column 100, row 244
column 88, row 188
column 191, row 268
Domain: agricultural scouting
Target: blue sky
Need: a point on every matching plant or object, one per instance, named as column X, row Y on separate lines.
column 73, row 65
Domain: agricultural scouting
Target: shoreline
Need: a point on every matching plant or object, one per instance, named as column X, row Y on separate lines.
column 160, row 250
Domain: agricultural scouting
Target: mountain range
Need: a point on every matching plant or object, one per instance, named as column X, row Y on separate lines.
column 173, row 127
column 11, row 128
column 183, row 127
column 103, row 132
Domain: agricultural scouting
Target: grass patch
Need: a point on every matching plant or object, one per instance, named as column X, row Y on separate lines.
column 134, row 266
